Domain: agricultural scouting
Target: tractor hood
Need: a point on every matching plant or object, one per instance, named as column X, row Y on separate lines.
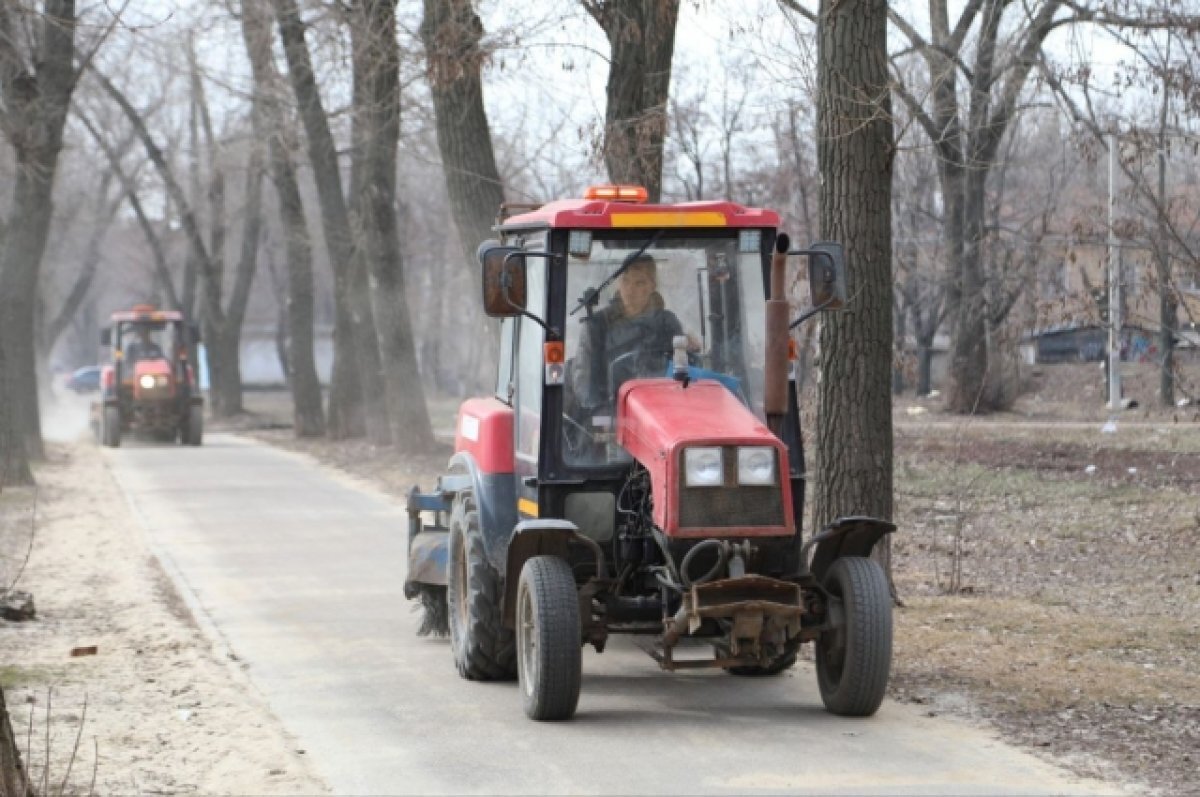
column 659, row 419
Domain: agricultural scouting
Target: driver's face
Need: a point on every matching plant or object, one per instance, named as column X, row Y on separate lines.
column 635, row 288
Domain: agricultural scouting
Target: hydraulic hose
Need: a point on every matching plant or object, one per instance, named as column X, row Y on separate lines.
column 722, row 555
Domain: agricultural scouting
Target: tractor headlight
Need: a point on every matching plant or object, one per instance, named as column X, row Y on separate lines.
column 756, row 466
column 146, row 381
column 702, row 467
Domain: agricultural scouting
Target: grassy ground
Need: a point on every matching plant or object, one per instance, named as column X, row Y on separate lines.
column 1049, row 572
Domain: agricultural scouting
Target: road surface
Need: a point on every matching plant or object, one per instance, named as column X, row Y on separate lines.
column 298, row 572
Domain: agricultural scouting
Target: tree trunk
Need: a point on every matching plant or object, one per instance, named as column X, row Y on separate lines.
column 969, row 365
column 1167, row 305
column 14, row 780
column 451, row 32
column 346, row 390
column 35, row 111
column 855, row 150
column 641, row 36
column 377, row 120
column 924, row 367
column 299, row 365
column 14, row 464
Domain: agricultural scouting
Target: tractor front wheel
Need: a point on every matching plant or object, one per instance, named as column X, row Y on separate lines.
column 484, row 650
column 110, row 427
column 855, row 656
column 549, row 661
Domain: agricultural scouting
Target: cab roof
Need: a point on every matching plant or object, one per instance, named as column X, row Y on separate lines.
column 601, row 214
column 146, row 315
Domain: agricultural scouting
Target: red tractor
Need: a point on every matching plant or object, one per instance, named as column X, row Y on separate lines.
column 640, row 468
column 149, row 386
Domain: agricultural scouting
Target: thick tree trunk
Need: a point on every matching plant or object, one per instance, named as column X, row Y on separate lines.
column 641, row 36
column 14, row 779
column 855, row 150
column 969, row 365
column 35, row 110
column 377, row 120
column 14, row 464
column 299, row 363
column 451, row 32
column 346, row 391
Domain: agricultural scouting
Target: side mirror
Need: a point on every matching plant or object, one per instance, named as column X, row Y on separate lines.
column 827, row 275
column 106, row 336
column 194, row 329
column 503, row 279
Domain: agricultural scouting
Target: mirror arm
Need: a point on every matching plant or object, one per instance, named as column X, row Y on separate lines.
column 551, row 332
column 809, row 313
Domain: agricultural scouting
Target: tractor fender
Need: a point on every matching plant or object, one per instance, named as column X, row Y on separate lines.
column 495, row 497
column 532, row 538
column 855, row 535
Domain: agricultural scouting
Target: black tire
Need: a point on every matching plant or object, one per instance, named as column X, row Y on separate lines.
column 193, row 430
column 781, row 664
column 549, row 657
column 484, row 650
column 110, row 427
column 854, row 660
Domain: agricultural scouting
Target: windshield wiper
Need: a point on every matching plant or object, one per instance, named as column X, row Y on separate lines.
column 591, row 296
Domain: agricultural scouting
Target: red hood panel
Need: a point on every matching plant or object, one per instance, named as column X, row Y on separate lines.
column 657, row 418
column 153, row 367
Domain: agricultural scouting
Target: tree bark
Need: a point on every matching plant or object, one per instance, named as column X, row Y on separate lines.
column 346, row 414
column 299, row 363
column 14, row 780
column 454, row 59
column 855, row 150
column 35, row 111
column 377, row 122
column 641, row 35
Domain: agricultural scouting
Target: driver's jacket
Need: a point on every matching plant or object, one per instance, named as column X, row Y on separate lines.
column 609, row 335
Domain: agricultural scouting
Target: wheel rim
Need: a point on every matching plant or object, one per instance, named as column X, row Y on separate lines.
column 526, row 641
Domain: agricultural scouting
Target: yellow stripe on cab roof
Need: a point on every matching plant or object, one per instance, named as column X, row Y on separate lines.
column 678, row 218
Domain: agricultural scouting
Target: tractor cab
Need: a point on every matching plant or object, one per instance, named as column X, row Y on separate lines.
column 148, row 385
column 641, row 459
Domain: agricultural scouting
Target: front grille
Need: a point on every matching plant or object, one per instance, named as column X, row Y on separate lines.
column 732, row 505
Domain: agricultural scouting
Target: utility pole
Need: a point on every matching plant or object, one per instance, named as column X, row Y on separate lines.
column 1114, row 285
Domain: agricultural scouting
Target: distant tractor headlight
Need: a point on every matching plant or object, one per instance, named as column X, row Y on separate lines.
column 146, row 381
column 702, row 467
column 756, row 466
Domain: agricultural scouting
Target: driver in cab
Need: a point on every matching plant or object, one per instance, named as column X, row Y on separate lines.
column 143, row 347
column 634, row 333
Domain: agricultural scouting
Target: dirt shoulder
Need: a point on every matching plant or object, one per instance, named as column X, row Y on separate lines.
column 157, row 709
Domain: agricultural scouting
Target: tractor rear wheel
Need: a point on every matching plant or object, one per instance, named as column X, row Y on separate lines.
column 855, row 657
column 192, row 433
column 110, row 427
column 484, row 650
column 549, row 658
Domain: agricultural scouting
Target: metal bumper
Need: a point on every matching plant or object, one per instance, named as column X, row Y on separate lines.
column 764, row 615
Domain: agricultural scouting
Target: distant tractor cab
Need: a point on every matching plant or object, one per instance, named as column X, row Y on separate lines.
column 148, row 385
column 640, row 468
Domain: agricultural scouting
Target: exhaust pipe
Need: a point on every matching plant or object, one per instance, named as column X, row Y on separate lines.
column 775, row 377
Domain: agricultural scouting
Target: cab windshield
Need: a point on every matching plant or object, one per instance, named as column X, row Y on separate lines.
column 699, row 288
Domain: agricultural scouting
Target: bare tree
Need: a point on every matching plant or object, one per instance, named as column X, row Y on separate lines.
column 36, row 82
column 641, row 36
column 352, row 336
column 376, row 60
column 299, row 364
column 855, row 151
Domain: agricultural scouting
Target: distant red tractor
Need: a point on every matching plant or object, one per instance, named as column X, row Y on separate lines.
column 640, row 468
column 148, row 386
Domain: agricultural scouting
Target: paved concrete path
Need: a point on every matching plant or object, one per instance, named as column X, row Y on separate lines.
column 299, row 573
